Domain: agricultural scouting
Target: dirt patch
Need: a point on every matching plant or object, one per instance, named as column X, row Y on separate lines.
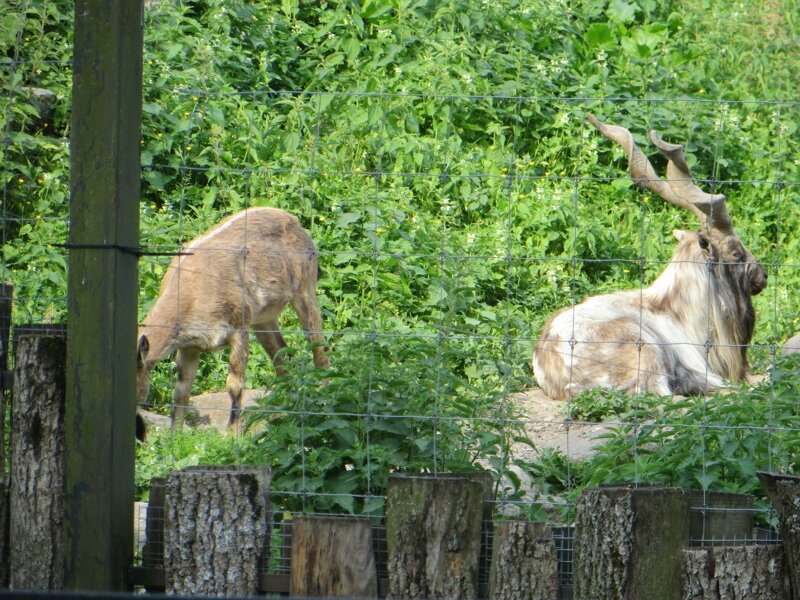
column 547, row 424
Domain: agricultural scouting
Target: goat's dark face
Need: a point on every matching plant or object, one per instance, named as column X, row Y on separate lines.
column 737, row 262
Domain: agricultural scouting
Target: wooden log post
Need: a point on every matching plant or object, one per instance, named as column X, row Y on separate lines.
column 524, row 562
column 38, row 464
column 215, row 529
column 433, row 530
column 332, row 556
column 6, row 302
column 628, row 543
column 752, row 572
column 5, row 516
column 784, row 493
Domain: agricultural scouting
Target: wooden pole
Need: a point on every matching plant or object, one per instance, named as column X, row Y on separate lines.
column 102, row 293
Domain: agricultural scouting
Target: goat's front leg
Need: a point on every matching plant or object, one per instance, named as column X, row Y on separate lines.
column 237, row 367
column 186, row 361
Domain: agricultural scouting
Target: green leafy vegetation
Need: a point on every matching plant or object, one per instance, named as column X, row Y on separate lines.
column 438, row 153
column 712, row 444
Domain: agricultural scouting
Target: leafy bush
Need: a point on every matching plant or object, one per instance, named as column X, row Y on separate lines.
column 333, row 436
column 166, row 451
column 711, row 444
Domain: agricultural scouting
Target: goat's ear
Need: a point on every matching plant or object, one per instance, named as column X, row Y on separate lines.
column 679, row 234
column 142, row 351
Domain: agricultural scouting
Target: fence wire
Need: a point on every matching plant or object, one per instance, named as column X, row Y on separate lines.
column 445, row 252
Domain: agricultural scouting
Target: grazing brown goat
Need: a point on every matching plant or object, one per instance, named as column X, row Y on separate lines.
column 688, row 331
column 240, row 274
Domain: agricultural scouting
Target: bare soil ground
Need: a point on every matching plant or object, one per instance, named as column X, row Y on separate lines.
column 548, row 425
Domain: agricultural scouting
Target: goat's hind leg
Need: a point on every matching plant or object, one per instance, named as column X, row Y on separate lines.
column 307, row 309
column 270, row 338
column 186, row 362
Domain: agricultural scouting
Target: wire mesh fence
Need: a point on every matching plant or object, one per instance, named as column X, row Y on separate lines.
column 449, row 228
column 444, row 260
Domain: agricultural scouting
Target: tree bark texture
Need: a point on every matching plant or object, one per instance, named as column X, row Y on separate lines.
column 332, row 556
column 215, row 530
column 628, row 543
column 524, row 562
column 38, row 464
column 6, row 303
column 754, row 572
column 5, row 510
column 433, row 530
column 784, row 493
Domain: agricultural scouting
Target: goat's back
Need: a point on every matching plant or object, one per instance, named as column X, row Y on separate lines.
column 243, row 270
column 258, row 244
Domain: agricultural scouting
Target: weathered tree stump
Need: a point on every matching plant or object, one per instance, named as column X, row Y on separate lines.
column 753, row 572
column 628, row 543
column 524, row 562
column 6, row 302
column 38, row 463
column 215, row 530
column 784, row 493
column 433, row 530
column 332, row 556
column 4, row 541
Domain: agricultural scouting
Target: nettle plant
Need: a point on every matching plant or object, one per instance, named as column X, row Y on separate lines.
column 385, row 405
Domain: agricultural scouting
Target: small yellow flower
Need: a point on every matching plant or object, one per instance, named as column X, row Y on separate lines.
column 522, row 196
column 20, row 180
column 379, row 230
column 321, row 218
column 504, row 169
column 40, row 181
column 188, row 147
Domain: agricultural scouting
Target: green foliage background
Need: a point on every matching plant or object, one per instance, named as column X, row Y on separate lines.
column 439, row 155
